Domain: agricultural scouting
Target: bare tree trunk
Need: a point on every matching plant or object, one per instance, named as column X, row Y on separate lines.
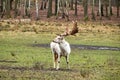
column 3, row 8
column 16, row 8
column 109, row 14
column 93, row 14
column 29, row 12
column 11, row 1
column 42, row 3
column 71, row 5
column 24, row 8
column 37, row 10
column 45, row 4
column 56, row 6
column 100, row 9
column 63, row 7
column 65, row 13
column 117, row 5
column 75, row 7
column 85, row 5
column 102, row 14
column 8, row 8
column 49, row 13
column 19, row 7
column 29, row 5
column 106, row 9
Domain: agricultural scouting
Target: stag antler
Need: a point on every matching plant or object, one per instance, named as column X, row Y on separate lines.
column 71, row 32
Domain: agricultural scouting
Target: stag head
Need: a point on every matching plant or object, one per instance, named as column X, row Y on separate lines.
column 73, row 31
column 59, row 39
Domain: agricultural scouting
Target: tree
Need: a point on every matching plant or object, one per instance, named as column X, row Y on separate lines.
column 75, row 7
column 43, row 4
column 3, row 10
column 106, row 9
column 93, row 14
column 111, row 13
column 56, row 6
column 85, row 6
column 71, row 4
column 1, row 5
column 65, row 13
column 29, row 12
column 117, row 5
column 37, row 10
column 100, row 9
column 25, row 9
column 11, row 1
column 19, row 7
column 62, row 7
column 102, row 14
column 16, row 8
column 109, row 9
column 8, row 8
column 49, row 12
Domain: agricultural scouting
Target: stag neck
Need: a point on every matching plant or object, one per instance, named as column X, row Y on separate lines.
column 56, row 42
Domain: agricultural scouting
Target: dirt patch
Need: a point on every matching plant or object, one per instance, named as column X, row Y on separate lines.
column 82, row 47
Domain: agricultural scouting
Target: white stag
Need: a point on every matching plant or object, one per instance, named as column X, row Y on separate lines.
column 60, row 47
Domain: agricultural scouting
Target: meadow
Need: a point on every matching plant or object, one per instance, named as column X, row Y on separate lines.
column 19, row 60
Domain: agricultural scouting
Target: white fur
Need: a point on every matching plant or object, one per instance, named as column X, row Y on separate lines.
column 60, row 47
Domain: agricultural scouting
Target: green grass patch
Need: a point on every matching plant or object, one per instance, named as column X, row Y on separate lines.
column 19, row 60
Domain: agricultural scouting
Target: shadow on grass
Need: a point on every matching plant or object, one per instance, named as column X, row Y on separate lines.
column 36, row 69
column 62, row 69
column 6, row 61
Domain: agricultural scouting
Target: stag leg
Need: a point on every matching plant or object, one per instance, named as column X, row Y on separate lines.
column 55, row 57
column 67, row 61
column 58, row 62
column 54, row 61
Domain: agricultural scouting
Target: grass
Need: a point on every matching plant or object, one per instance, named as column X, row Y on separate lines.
column 21, row 61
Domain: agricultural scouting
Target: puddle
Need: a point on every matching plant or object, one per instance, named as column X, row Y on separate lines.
column 82, row 47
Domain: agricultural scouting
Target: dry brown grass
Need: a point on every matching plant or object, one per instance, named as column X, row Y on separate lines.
column 57, row 28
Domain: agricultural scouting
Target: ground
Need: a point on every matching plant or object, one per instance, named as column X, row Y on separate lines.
column 25, row 52
column 21, row 60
